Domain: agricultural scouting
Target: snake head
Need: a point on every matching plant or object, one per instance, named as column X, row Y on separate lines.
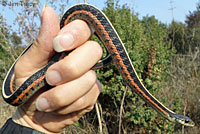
column 184, row 120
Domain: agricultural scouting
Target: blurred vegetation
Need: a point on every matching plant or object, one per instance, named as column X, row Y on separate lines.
column 166, row 58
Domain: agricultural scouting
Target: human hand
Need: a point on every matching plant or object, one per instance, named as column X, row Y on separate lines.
column 76, row 86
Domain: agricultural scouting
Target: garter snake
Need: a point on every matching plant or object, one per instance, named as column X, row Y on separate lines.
column 117, row 53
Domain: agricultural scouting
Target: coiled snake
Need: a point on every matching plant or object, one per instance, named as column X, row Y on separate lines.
column 107, row 34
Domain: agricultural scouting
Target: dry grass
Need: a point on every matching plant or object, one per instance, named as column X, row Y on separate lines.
column 184, row 79
column 6, row 111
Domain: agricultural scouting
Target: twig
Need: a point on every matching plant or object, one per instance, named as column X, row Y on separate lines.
column 99, row 118
column 121, row 110
column 184, row 114
column 105, row 130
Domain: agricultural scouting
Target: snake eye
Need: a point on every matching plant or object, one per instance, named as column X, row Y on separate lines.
column 186, row 121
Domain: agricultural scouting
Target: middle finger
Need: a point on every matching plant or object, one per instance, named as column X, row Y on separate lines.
column 75, row 64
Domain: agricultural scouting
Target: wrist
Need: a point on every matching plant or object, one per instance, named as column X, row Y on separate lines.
column 17, row 118
column 10, row 126
column 22, row 119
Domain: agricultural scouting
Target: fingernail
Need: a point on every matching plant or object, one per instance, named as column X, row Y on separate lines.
column 63, row 42
column 46, row 5
column 42, row 104
column 91, row 28
column 99, row 86
column 53, row 77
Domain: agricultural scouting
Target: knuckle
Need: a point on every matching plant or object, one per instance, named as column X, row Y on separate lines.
column 90, row 108
column 96, row 48
column 79, row 27
column 57, row 101
column 70, row 68
column 91, row 77
column 81, row 103
column 72, row 121
column 75, row 119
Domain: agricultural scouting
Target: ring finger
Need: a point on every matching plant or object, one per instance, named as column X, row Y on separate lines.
column 86, row 101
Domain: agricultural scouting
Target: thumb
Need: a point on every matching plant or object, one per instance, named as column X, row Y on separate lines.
column 42, row 49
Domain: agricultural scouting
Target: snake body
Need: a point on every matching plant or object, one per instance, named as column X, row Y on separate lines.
column 107, row 34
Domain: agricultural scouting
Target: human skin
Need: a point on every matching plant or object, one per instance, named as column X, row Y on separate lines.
column 76, row 87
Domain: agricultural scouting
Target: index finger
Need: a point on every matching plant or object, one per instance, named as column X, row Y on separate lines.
column 72, row 35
